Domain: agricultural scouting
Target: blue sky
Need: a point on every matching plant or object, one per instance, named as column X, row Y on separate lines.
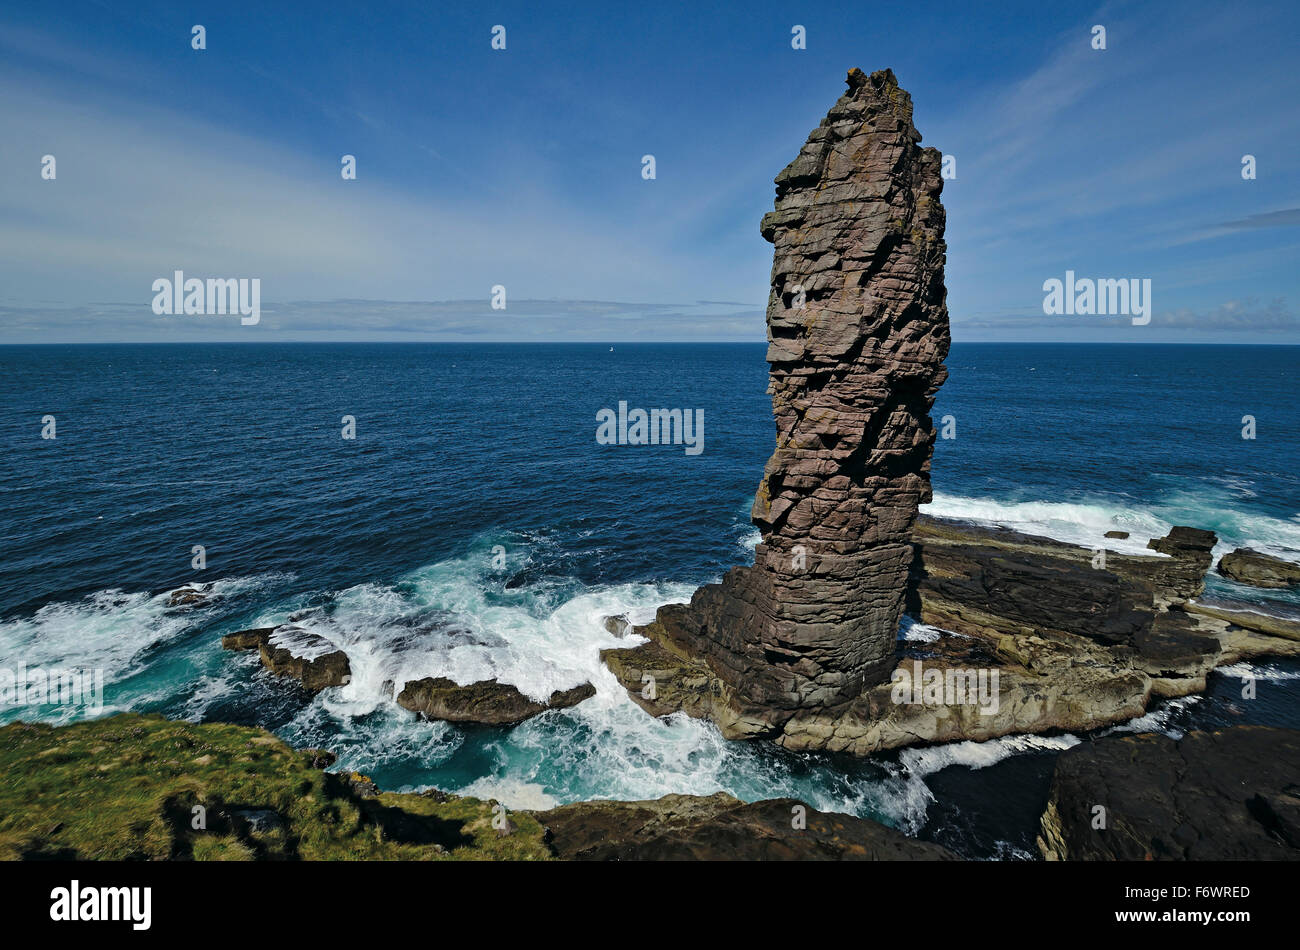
column 523, row 167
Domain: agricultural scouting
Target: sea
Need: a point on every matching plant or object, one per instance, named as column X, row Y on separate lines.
column 473, row 526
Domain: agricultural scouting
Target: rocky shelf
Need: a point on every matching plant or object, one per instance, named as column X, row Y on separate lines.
column 1227, row 795
column 1075, row 646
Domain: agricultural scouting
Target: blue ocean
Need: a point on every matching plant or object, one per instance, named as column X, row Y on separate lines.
column 475, row 528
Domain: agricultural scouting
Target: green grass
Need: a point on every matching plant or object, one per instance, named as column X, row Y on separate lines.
column 125, row 787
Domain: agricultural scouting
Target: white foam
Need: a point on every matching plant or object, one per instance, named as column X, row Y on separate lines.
column 1257, row 671
column 442, row 621
column 979, row 755
column 1082, row 523
column 368, row 744
column 1157, row 720
column 510, row 792
column 904, row 795
column 107, row 630
column 914, row 631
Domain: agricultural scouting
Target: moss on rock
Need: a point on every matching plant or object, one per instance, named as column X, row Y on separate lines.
column 143, row 787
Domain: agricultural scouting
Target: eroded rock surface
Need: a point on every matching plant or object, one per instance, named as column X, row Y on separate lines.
column 487, row 703
column 720, row 827
column 1210, row 796
column 297, row 653
column 1247, row 566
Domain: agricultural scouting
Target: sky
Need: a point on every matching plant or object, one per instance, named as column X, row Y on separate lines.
column 522, row 167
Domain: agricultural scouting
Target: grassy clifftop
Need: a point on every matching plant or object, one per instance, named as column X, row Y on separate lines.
column 144, row 787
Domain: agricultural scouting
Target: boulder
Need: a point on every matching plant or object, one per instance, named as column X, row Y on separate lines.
column 191, row 595
column 618, row 625
column 295, row 652
column 486, row 703
column 1247, row 566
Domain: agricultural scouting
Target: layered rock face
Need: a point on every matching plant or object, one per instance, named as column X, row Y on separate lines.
column 858, row 330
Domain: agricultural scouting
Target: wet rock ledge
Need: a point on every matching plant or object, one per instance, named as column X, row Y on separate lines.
column 486, row 703
column 1210, row 796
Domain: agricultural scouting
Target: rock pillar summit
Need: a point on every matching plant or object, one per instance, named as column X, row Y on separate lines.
column 858, row 331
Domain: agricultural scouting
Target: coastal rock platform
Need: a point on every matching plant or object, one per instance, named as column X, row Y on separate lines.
column 1233, row 794
column 1074, row 646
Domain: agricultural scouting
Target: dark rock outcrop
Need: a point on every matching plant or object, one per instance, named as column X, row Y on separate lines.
column 857, row 331
column 486, row 703
column 1062, row 645
column 1210, row 796
column 247, row 639
column 1248, row 566
column 191, row 595
column 1190, row 553
column 720, row 827
column 967, row 576
column 292, row 651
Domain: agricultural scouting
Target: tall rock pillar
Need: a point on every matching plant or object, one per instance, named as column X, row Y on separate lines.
column 858, row 331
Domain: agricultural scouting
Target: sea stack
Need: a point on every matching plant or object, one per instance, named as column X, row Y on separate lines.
column 857, row 327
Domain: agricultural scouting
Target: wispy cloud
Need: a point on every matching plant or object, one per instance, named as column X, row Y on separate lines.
column 1286, row 218
column 226, row 164
column 1253, row 316
column 395, row 320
